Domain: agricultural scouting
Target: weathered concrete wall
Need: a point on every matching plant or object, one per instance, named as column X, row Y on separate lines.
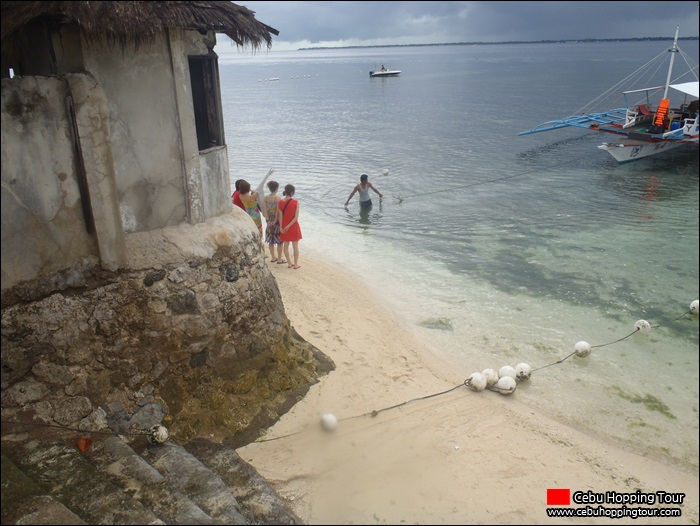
column 194, row 327
column 134, row 122
column 216, row 190
column 91, row 132
column 160, row 172
column 144, row 131
column 205, row 174
column 43, row 228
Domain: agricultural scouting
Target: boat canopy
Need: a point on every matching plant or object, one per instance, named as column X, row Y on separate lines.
column 689, row 88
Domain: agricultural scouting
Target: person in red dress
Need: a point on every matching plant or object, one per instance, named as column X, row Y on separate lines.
column 236, row 197
column 290, row 232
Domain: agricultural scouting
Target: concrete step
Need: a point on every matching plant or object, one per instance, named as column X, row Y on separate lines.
column 260, row 504
column 124, row 479
column 50, row 459
column 24, row 501
column 185, row 474
column 138, row 478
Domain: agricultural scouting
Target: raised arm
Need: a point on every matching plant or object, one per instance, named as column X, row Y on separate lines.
column 260, row 189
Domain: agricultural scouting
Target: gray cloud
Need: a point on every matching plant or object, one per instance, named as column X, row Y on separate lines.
column 385, row 23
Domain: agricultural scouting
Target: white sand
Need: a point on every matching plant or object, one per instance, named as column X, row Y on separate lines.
column 463, row 457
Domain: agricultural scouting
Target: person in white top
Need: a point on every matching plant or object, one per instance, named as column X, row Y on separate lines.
column 363, row 188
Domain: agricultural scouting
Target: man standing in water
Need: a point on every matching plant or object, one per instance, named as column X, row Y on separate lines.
column 363, row 188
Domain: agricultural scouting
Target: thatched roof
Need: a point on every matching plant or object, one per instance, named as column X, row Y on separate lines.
column 133, row 22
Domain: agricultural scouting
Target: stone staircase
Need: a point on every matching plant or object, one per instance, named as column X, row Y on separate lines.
column 47, row 479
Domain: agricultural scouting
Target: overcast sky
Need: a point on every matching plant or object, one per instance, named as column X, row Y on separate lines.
column 315, row 24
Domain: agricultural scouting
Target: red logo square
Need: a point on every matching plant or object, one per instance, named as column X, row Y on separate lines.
column 558, row 497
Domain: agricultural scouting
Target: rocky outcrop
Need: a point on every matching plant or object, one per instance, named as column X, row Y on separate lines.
column 192, row 335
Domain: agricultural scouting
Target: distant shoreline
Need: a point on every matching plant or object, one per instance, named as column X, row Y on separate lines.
column 569, row 41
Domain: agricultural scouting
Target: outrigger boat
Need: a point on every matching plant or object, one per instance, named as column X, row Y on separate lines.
column 643, row 128
column 385, row 73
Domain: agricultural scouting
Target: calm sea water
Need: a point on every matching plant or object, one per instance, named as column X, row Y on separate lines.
column 496, row 249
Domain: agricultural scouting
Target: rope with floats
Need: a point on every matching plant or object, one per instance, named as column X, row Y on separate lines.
column 401, row 199
column 504, row 381
column 156, row 434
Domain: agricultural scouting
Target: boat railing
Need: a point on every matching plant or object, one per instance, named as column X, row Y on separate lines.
column 637, row 115
column 690, row 127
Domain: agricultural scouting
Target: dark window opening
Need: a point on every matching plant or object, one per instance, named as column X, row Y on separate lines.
column 43, row 48
column 31, row 52
column 204, row 76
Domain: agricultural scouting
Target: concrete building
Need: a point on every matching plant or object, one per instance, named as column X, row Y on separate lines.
column 111, row 124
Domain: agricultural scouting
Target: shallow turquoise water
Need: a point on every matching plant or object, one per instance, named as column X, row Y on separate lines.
column 496, row 249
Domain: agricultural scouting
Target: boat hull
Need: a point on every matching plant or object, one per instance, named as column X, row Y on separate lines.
column 630, row 150
column 387, row 73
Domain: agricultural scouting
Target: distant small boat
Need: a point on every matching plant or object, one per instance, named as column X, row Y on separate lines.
column 385, row 73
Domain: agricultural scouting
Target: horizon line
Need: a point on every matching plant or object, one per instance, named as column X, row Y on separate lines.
column 481, row 43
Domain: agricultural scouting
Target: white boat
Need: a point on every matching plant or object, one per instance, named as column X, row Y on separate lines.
column 649, row 124
column 385, row 73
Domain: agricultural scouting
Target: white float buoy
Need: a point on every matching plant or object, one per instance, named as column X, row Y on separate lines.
column 386, row 171
column 477, row 382
column 491, row 376
column 694, row 307
column 522, row 372
column 506, row 370
column 582, row 349
column 157, row 434
column 329, row 422
column 642, row 326
column 505, row 385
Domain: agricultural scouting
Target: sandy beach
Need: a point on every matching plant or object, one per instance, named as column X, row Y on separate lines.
column 461, row 457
